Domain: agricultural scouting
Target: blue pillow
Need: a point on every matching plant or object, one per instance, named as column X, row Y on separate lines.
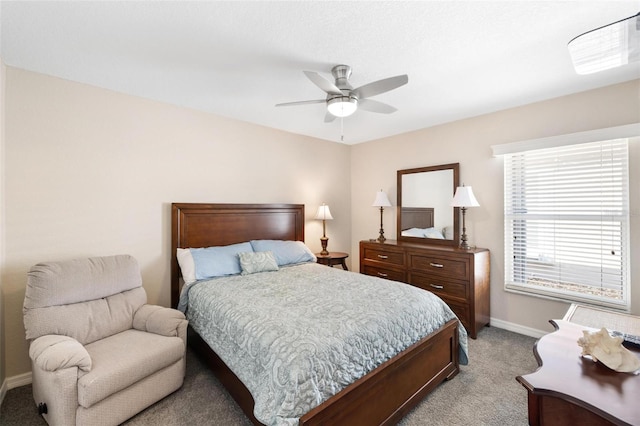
column 285, row 252
column 433, row 233
column 218, row 261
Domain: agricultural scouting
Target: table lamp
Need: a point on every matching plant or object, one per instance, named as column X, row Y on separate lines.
column 381, row 201
column 324, row 214
column 464, row 198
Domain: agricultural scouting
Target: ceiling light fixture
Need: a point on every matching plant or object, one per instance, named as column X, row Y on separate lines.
column 342, row 106
column 611, row 46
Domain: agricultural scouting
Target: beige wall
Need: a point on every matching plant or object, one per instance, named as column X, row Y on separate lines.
column 91, row 172
column 468, row 142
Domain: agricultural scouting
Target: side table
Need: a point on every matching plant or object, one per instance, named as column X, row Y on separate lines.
column 569, row 390
column 333, row 258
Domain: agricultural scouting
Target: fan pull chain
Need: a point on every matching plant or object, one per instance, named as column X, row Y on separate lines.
column 341, row 129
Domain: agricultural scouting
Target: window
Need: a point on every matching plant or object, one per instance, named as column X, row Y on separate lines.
column 566, row 218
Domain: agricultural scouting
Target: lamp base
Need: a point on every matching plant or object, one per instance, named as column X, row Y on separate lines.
column 463, row 243
column 381, row 238
column 463, row 239
column 323, row 242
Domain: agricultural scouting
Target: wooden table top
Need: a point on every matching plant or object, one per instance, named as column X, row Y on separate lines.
column 564, row 374
column 333, row 255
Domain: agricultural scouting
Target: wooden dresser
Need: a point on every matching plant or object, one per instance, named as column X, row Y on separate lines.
column 459, row 277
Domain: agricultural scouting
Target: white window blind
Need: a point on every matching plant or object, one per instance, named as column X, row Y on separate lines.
column 567, row 222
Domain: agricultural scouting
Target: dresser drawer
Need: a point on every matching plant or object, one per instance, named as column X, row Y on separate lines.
column 457, row 268
column 384, row 256
column 389, row 274
column 441, row 286
column 459, row 277
column 461, row 310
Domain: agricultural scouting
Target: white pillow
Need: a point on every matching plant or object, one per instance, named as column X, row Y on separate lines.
column 187, row 266
column 447, row 231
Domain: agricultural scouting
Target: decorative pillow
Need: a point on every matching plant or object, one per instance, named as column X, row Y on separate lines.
column 202, row 263
column 261, row 261
column 285, row 252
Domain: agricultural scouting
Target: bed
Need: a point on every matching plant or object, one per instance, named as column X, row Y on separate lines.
column 383, row 395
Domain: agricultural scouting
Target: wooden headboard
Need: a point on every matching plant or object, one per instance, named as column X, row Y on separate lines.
column 206, row 225
column 416, row 217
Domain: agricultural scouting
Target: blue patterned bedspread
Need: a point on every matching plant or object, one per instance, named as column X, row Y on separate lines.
column 298, row 336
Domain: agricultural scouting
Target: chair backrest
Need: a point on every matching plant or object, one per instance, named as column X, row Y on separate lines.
column 87, row 299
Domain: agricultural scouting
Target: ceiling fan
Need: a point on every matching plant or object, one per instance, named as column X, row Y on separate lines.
column 342, row 99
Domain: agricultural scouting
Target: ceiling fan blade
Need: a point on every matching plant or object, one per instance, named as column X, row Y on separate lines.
column 322, row 83
column 328, row 117
column 316, row 101
column 376, row 106
column 381, row 86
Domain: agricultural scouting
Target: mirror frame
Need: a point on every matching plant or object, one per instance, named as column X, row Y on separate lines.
column 455, row 242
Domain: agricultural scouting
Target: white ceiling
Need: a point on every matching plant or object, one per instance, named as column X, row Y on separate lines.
column 238, row 59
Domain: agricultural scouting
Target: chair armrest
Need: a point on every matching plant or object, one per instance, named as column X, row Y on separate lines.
column 53, row 352
column 160, row 320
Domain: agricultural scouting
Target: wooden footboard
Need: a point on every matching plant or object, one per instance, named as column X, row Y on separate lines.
column 382, row 397
column 386, row 394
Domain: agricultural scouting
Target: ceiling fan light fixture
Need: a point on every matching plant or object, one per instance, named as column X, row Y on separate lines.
column 342, row 106
column 611, row 46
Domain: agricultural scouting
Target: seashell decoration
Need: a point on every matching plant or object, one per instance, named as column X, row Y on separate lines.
column 608, row 350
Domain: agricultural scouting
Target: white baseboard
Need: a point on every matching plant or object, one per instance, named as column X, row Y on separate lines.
column 517, row 328
column 19, row 380
column 14, row 382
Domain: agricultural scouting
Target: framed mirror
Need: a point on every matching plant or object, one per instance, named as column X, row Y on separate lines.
column 424, row 211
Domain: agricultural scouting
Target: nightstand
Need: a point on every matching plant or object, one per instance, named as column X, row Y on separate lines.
column 333, row 258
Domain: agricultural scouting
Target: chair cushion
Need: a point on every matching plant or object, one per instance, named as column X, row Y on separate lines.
column 79, row 280
column 124, row 359
column 87, row 299
column 87, row 321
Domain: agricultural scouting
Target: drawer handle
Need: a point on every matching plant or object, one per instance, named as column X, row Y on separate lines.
column 380, row 274
column 439, row 287
column 436, row 265
column 382, row 256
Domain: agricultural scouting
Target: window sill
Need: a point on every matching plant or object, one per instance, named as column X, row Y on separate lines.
column 621, row 306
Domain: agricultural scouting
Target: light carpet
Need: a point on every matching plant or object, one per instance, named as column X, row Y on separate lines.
column 485, row 392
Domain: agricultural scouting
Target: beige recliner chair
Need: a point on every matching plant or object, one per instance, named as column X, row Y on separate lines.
column 99, row 353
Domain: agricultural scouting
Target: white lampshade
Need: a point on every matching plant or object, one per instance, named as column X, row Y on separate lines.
column 464, row 197
column 342, row 106
column 381, row 200
column 610, row 46
column 324, row 213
